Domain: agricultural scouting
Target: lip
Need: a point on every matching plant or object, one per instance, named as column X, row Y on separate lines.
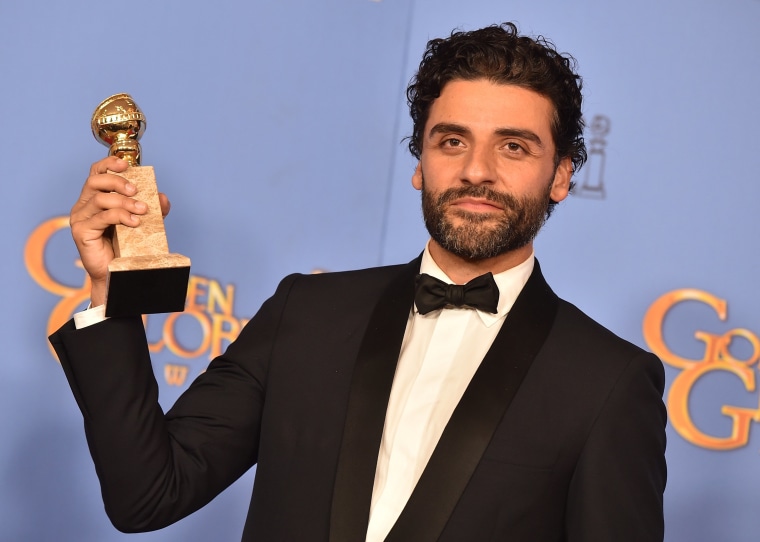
column 478, row 205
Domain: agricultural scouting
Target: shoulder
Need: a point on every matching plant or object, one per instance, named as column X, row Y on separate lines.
column 359, row 283
column 335, row 296
column 355, row 276
column 593, row 353
column 571, row 321
column 576, row 338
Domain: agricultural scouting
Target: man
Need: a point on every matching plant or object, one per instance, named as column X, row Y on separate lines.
column 376, row 407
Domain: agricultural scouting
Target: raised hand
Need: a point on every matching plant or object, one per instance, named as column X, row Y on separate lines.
column 105, row 200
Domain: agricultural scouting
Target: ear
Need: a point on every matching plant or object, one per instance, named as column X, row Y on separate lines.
column 417, row 177
column 562, row 177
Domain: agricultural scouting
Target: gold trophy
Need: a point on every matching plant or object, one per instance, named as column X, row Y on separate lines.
column 143, row 277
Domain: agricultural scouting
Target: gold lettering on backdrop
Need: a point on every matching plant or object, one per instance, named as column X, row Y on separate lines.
column 175, row 375
column 209, row 307
column 34, row 259
column 716, row 357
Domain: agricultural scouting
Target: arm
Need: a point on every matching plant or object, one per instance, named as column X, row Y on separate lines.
column 156, row 469
column 617, row 488
column 153, row 469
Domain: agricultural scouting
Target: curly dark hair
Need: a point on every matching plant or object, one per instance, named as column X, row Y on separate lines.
column 498, row 53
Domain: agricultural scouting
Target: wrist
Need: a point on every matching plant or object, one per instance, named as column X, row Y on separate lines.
column 98, row 293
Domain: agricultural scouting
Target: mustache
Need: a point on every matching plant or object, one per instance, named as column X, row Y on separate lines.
column 502, row 199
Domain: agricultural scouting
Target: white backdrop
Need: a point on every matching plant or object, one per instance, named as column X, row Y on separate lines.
column 276, row 128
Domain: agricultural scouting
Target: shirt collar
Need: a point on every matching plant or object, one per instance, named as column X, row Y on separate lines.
column 510, row 283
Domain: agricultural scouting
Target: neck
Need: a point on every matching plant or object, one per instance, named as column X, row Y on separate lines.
column 462, row 271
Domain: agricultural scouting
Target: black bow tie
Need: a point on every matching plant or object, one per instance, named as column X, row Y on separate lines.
column 480, row 293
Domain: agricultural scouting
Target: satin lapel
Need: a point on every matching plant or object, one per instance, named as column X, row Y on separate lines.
column 368, row 401
column 478, row 413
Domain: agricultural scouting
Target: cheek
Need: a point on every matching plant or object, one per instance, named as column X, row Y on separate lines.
column 524, row 178
column 436, row 174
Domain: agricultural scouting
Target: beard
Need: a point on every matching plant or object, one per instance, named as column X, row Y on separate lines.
column 480, row 236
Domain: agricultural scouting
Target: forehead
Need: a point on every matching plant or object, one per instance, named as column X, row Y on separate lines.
column 483, row 104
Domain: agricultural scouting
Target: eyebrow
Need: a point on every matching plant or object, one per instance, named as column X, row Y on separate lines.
column 448, row 127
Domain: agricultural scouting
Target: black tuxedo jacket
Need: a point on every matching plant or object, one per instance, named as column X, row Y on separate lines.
column 559, row 436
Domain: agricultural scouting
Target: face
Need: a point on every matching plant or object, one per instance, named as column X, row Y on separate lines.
column 487, row 169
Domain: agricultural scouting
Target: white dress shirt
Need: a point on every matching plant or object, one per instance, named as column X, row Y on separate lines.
column 440, row 353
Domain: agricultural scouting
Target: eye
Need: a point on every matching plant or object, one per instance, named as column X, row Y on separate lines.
column 451, row 142
column 513, row 147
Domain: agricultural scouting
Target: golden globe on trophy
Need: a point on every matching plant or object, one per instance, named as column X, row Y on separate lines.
column 143, row 277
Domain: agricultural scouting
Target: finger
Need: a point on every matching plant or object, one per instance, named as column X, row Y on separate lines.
column 94, row 229
column 101, row 180
column 105, row 201
column 165, row 204
column 94, row 226
column 111, row 162
column 103, row 183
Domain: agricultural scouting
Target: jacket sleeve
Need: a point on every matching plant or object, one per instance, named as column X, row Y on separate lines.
column 616, row 492
column 155, row 469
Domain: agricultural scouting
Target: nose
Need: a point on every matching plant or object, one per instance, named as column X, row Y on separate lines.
column 479, row 166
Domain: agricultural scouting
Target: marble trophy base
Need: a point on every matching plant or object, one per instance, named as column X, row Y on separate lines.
column 144, row 278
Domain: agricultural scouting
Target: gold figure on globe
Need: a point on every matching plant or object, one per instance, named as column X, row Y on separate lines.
column 143, row 277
